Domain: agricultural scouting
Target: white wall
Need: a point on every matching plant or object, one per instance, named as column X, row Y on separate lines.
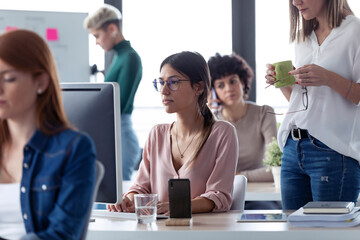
column 159, row 28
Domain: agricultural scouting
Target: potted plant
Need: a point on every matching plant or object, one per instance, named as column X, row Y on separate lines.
column 273, row 160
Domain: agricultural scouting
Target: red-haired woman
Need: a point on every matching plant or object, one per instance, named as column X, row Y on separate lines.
column 47, row 170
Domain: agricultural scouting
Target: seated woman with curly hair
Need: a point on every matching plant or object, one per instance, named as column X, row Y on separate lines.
column 231, row 79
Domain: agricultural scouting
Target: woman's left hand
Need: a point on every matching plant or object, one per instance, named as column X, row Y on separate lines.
column 311, row 75
column 163, row 208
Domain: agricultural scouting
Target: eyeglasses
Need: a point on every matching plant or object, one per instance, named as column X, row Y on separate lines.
column 305, row 102
column 172, row 82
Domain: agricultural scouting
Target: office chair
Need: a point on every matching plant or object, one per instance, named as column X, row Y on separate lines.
column 238, row 194
column 100, row 171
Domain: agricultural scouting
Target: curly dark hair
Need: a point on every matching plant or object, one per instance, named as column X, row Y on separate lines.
column 222, row 66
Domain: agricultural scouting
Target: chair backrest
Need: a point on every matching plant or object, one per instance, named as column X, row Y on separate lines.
column 100, row 171
column 239, row 191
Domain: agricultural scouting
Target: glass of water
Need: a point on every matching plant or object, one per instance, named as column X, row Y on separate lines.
column 145, row 208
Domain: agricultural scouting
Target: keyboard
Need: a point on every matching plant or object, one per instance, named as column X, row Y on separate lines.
column 107, row 214
column 119, row 215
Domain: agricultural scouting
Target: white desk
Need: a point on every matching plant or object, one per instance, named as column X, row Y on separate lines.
column 213, row 226
column 262, row 191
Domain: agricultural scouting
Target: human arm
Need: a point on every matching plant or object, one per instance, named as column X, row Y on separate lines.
column 268, row 130
column 198, row 205
column 141, row 184
column 127, row 204
column 270, row 79
column 220, row 182
column 73, row 199
column 314, row 75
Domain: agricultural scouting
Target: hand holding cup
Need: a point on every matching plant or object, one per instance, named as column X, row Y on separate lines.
column 282, row 76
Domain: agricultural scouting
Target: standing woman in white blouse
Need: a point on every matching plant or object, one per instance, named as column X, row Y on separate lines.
column 320, row 133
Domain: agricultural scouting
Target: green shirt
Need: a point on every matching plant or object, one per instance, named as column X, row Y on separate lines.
column 126, row 70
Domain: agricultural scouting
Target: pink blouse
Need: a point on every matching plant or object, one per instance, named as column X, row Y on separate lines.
column 211, row 174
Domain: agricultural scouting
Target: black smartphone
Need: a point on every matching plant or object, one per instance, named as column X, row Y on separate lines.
column 179, row 198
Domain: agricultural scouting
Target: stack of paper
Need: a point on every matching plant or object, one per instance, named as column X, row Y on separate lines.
column 301, row 219
column 328, row 207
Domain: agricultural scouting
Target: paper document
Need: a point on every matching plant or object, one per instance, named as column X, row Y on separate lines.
column 300, row 219
column 299, row 215
column 339, row 224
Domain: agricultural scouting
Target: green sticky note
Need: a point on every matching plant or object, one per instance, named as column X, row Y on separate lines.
column 282, row 78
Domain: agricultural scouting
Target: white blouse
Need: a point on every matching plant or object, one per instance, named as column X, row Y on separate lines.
column 11, row 221
column 330, row 117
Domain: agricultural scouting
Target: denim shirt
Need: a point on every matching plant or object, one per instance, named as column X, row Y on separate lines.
column 57, row 185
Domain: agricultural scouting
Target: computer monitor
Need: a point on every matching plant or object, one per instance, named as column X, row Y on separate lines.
column 94, row 108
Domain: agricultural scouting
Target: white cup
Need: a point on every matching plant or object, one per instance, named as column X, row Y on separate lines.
column 145, row 208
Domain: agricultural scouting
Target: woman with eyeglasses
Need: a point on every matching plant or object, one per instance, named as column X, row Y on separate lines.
column 195, row 146
column 320, row 135
column 47, row 169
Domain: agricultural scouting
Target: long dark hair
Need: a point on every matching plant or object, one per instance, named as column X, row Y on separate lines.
column 194, row 66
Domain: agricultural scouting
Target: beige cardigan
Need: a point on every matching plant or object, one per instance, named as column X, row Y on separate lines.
column 254, row 131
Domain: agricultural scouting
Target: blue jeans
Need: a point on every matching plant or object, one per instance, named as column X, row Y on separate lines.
column 129, row 147
column 311, row 171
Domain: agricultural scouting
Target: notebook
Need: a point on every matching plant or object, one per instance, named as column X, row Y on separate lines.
column 299, row 216
column 299, row 219
column 328, row 207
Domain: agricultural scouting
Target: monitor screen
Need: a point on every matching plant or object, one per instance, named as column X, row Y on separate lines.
column 94, row 108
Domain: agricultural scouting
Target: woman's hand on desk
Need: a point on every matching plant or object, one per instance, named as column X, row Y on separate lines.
column 127, row 205
column 163, row 208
